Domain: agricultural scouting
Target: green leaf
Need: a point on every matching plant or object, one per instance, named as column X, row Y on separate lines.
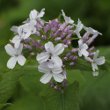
column 49, row 99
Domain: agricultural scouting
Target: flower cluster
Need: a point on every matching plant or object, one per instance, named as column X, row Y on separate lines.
column 52, row 42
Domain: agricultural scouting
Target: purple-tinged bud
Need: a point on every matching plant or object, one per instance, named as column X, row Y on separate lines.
column 42, row 47
column 62, row 35
column 58, row 39
column 67, row 42
column 91, row 54
column 92, row 39
column 74, row 50
column 62, row 26
column 28, row 47
column 92, row 48
column 46, row 28
column 27, row 40
column 68, row 54
column 37, row 33
column 75, row 58
column 68, row 36
column 54, row 23
column 71, row 57
column 68, row 28
column 57, row 33
column 66, row 58
column 53, row 29
column 85, row 36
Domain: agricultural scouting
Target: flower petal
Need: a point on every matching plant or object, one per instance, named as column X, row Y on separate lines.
column 57, row 61
column 10, row 50
column 58, row 77
column 80, row 42
column 67, row 19
column 49, row 47
column 43, row 67
column 94, row 67
column 33, row 14
column 24, row 31
column 84, row 46
column 79, row 25
column 16, row 40
column 57, row 70
column 21, row 60
column 41, row 13
column 19, row 49
column 100, row 61
column 42, row 57
column 46, row 78
column 59, row 49
column 85, row 52
column 79, row 53
column 11, row 62
column 14, row 29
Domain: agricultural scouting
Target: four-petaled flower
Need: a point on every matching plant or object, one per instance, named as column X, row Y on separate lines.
column 51, row 69
column 23, row 32
column 16, row 56
column 95, row 62
column 51, row 52
column 82, row 50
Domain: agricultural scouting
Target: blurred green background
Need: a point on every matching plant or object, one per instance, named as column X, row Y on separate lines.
column 95, row 92
column 94, row 13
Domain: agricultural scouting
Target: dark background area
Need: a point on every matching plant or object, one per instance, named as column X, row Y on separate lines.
column 93, row 13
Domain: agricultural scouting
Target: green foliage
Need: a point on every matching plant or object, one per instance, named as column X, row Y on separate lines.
column 21, row 89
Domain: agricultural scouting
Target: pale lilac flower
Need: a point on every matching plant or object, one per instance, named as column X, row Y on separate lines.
column 51, row 52
column 16, row 56
column 82, row 50
column 23, row 32
column 50, row 69
column 67, row 19
column 95, row 62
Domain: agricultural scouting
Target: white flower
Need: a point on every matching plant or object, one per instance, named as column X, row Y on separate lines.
column 16, row 41
column 95, row 62
column 51, row 70
column 67, row 19
column 79, row 27
column 34, row 17
column 16, row 56
column 51, row 53
column 82, row 50
column 23, row 32
column 34, row 14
